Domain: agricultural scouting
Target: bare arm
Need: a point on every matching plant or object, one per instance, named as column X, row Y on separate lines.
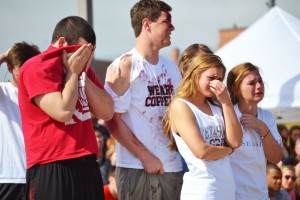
column 100, row 102
column 124, row 135
column 183, row 117
column 234, row 133
column 272, row 149
column 118, row 80
column 3, row 56
column 61, row 105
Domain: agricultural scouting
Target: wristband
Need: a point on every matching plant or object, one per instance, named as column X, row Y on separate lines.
column 263, row 137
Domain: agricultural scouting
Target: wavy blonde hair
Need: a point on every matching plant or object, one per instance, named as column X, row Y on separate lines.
column 188, row 86
column 286, row 168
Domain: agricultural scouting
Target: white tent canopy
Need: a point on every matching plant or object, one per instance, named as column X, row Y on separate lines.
column 273, row 44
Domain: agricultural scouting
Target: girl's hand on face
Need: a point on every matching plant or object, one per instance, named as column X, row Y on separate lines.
column 220, row 90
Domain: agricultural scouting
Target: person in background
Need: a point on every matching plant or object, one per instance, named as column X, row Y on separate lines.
column 289, row 180
column 284, row 133
column 12, row 156
column 175, row 54
column 297, row 187
column 195, row 125
column 190, row 52
column 295, row 158
column 294, row 135
column 183, row 63
column 261, row 140
column 274, row 176
column 101, row 144
column 102, row 136
column 101, row 141
column 110, row 154
column 57, row 94
column 110, row 189
column 108, row 151
column 141, row 83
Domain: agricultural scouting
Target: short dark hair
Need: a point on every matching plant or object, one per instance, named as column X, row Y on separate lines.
column 72, row 28
column 272, row 166
column 150, row 9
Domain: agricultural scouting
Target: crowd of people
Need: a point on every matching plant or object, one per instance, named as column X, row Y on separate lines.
column 156, row 129
column 289, row 176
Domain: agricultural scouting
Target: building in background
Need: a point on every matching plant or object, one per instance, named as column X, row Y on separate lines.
column 226, row 35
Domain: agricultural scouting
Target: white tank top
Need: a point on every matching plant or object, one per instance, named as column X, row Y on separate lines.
column 206, row 179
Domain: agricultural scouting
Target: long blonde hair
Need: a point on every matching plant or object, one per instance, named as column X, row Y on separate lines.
column 188, row 87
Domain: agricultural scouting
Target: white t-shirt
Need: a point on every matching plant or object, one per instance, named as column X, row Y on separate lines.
column 248, row 162
column 143, row 107
column 12, row 150
column 206, row 179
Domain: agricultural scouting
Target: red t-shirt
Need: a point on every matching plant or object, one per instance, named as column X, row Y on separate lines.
column 47, row 140
column 107, row 194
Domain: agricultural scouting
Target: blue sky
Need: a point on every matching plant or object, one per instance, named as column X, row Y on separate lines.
column 196, row 21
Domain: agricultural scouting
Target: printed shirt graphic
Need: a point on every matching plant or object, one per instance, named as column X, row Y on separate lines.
column 47, row 140
column 248, row 162
column 143, row 107
column 82, row 112
column 206, row 179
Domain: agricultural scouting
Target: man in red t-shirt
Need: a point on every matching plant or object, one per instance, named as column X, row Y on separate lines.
column 56, row 96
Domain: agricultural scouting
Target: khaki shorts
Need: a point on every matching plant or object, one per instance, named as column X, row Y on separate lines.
column 136, row 184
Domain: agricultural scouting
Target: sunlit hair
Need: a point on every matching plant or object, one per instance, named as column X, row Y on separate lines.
column 19, row 53
column 235, row 78
column 188, row 86
column 189, row 53
column 286, row 168
column 150, row 9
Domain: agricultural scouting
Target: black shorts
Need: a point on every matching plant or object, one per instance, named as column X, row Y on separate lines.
column 78, row 178
column 15, row 191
